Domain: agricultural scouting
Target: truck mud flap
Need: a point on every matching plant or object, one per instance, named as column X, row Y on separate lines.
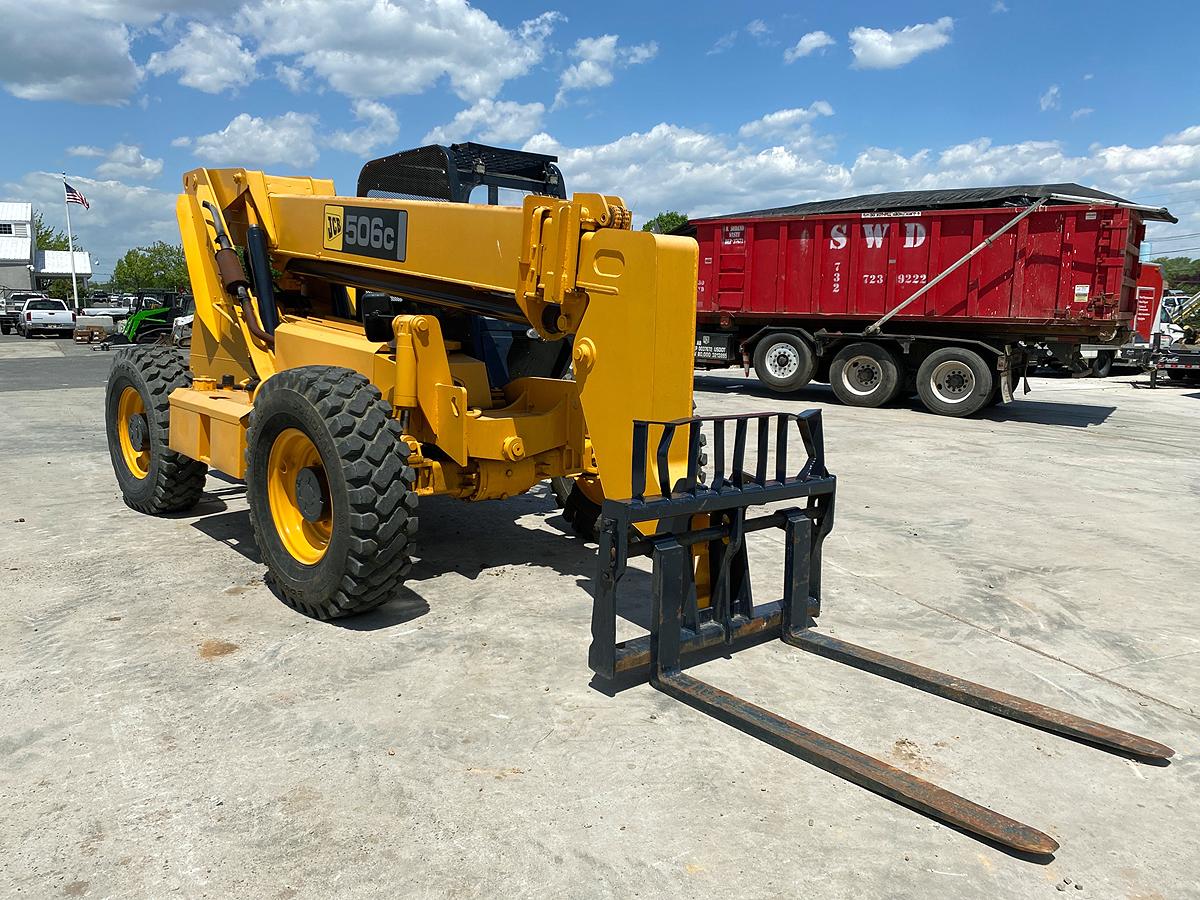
column 701, row 600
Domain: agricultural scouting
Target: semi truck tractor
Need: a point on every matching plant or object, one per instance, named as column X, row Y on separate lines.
column 948, row 293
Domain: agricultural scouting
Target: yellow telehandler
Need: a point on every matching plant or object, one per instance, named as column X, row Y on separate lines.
column 351, row 354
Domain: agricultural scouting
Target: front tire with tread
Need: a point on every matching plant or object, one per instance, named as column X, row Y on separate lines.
column 371, row 498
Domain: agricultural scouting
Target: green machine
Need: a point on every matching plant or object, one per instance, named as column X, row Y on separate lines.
column 151, row 316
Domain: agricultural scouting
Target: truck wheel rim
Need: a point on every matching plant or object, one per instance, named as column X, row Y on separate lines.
column 294, row 458
column 862, row 375
column 952, row 381
column 782, row 360
column 132, row 432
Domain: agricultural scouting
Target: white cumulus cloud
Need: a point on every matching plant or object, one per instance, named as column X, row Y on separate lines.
column 1052, row 99
column 501, row 122
column 597, row 58
column 808, row 44
column 379, row 129
column 253, row 142
column 208, row 58
column 874, row 48
column 381, row 48
column 126, row 162
column 785, row 121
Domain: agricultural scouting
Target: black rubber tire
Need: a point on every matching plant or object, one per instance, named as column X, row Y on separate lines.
column 27, row 333
column 983, row 380
column 1102, row 365
column 882, row 389
column 805, row 364
column 6, row 329
column 370, row 484
column 582, row 514
column 174, row 481
column 822, row 367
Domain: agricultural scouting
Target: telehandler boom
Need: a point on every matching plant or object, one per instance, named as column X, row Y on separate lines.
column 351, row 354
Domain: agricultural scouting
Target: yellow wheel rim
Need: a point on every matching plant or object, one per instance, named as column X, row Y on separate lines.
column 305, row 539
column 129, row 406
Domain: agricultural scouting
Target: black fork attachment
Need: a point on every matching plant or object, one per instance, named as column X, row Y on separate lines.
column 701, row 599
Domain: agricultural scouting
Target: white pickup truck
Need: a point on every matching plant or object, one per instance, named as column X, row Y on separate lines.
column 46, row 315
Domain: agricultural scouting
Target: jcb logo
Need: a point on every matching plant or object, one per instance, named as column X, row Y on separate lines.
column 335, row 217
column 367, row 231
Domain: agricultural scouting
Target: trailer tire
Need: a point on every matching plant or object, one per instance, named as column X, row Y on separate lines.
column 865, row 374
column 5, row 328
column 954, row 381
column 331, row 496
column 153, row 478
column 783, row 362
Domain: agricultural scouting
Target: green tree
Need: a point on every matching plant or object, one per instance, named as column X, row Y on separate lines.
column 48, row 238
column 1181, row 273
column 160, row 266
column 665, row 222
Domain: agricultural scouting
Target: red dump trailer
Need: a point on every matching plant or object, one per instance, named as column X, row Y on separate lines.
column 949, row 293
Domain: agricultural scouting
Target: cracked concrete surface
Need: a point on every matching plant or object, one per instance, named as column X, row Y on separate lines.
column 171, row 729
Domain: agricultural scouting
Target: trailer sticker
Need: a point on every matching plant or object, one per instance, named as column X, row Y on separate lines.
column 1082, row 291
column 735, row 235
column 366, row 231
column 907, row 214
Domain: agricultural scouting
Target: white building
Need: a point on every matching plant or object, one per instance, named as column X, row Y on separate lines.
column 23, row 267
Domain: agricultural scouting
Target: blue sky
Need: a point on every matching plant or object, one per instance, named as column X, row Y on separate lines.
column 702, row 107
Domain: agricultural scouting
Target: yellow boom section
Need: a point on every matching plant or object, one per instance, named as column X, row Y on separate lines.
column 568, row 269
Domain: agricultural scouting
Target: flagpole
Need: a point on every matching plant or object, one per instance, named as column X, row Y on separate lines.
column 70, row 242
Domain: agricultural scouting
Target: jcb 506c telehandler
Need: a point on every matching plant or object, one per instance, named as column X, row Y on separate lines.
column 351, row 354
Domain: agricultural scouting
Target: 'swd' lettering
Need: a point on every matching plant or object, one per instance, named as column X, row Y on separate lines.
column 874, row 235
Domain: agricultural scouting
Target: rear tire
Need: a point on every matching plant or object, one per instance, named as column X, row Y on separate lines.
column 581, row 513
column 865, row 375
column 783, row 362
column 153, row 478
column 954, row 381
column 330, row 490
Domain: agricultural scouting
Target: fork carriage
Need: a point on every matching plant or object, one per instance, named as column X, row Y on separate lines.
column 701, row 599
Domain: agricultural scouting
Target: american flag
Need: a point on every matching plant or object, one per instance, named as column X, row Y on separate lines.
column 73, row 196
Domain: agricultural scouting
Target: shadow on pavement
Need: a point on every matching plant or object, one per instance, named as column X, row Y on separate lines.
column 1034, row 412
column 1046, row 412
column 472, row 542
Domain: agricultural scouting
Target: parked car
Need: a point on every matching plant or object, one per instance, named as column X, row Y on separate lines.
column 47, row 315
column 10, row 309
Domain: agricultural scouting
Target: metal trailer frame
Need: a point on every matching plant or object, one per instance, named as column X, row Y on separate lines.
column 699, row 547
